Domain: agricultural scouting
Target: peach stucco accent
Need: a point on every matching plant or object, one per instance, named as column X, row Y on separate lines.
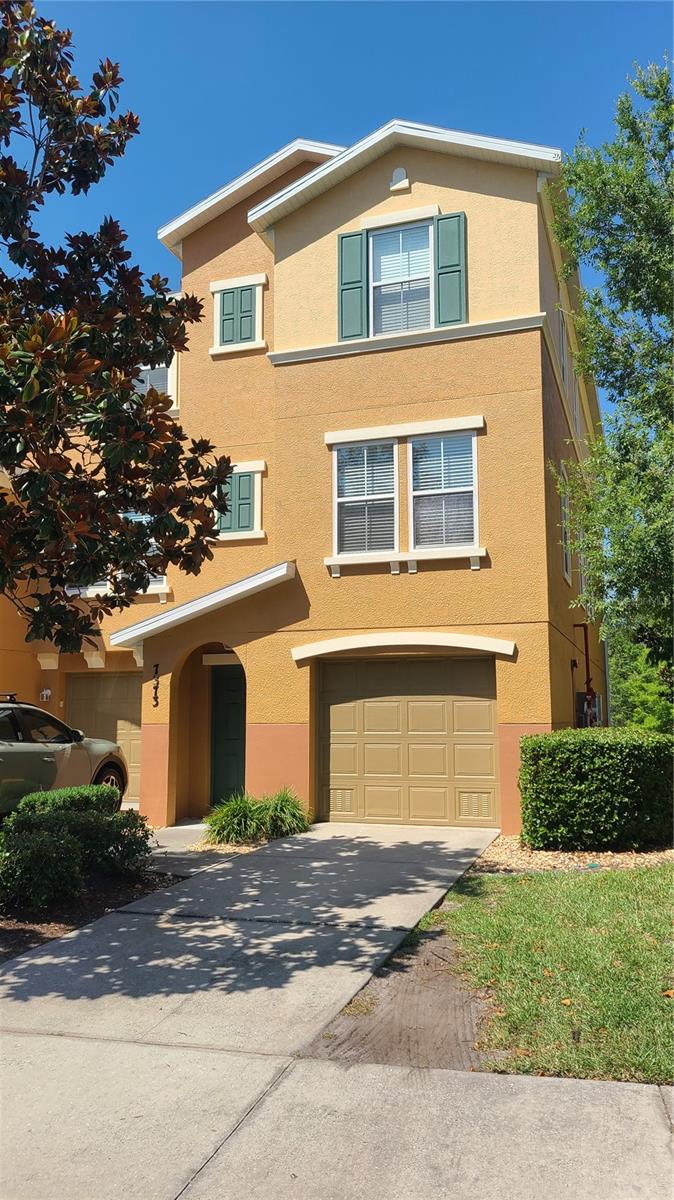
column 278, row 756
column 509, row 759
column 154, row 774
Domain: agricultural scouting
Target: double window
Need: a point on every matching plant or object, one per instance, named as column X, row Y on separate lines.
column 441, row 482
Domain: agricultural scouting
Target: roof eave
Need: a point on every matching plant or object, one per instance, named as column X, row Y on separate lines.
column 173, row 232
column 324, row 176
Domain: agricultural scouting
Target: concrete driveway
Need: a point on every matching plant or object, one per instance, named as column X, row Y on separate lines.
column 152, row 1053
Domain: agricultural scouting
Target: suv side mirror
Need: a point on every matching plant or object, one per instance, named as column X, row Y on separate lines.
column 78, row 736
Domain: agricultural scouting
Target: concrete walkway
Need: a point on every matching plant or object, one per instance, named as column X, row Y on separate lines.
column 153, row 1053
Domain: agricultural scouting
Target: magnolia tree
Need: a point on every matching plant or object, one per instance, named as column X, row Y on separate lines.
column 618, row 221
column 97, row 481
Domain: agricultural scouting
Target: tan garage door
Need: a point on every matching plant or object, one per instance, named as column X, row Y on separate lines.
column 108, row 706
column 409, row 741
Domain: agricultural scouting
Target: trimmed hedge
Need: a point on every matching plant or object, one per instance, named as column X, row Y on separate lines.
column 54, row 839
column 92, row 797
column 596, row 789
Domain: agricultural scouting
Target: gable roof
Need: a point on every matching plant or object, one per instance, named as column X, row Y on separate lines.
column 134, row 635
column 397, row 133
column 271, row 168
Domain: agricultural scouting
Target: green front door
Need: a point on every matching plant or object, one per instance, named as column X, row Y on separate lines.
column 228, row 731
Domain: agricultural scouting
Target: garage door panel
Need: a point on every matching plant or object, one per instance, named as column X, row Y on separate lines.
column 430, row 806
column 427, row 759
column 474, row 761
column 382, row 716
column 382, row 803
column 383, row 758
column 427, row 716
column 344, row 759
column 409, row 740
column 473, row 716
column 475, row 805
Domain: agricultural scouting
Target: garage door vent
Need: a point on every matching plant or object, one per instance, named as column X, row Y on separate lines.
column 477, row 806
column 341, row 800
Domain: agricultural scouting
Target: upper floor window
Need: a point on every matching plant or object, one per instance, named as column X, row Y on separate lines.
column 366, row 498
column 566, row 529
column 443, row 490
column 157, row 584
column 400, row 271
column 405, row 277
column 576, row 406
column 563, row 347
column 237, row 314
column 163, row 379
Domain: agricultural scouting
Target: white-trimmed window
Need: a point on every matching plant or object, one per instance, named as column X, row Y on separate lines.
column 575, row 405
column 366, row 516
column 157, row 586
column 401, row 278
column 243, row 520
column 443, row 491
column 163, row 379
column 563, row 347
column 566, row 529
column 237, row 314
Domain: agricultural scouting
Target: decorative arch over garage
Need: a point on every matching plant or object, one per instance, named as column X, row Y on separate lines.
column 404, row 639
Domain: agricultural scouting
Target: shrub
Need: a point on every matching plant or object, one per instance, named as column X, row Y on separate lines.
column 38, row 864
column 92, row 797
column 39, row 867
column 240, row 819
column 283, row 814
column 596, row 789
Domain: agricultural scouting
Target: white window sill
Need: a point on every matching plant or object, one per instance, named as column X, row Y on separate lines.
column 409, row 557
column 236, row 348
column 243, row 535
column 159, row 588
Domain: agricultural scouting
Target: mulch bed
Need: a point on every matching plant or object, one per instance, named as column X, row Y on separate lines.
column 20, row 931
column 507, row 855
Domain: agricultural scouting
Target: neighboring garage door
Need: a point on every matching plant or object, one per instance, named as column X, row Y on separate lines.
column 409, row 741
column 108, row 706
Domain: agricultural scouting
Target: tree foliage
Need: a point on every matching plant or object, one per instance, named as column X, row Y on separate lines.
column 81, row 446
column 615, row 216
column 640, row 689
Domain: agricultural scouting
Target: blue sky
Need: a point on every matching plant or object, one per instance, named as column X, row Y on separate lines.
column 218, row 86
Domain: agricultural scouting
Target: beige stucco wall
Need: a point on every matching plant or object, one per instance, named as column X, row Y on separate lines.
column 19, row 668
column 501, row 213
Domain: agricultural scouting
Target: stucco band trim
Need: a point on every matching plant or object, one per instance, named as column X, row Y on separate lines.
column 396, row 341
column 364, row 641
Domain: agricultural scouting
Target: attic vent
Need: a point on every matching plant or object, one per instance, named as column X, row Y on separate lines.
column 399, row 181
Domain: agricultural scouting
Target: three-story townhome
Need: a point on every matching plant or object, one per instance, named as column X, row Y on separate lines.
column 388, row 358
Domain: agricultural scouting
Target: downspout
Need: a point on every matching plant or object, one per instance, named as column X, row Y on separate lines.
column 589, row 690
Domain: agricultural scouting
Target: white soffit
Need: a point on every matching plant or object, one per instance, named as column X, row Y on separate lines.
column 400, row 133
column 133, row 635
column 259, row 176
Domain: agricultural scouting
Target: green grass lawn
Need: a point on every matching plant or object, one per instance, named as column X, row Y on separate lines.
column 576, row 968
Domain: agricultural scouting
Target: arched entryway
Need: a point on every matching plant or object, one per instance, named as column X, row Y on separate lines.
column 208, row 729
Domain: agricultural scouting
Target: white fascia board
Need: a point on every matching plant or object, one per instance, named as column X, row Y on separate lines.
column 172, row 233
column 449, row 141
column 403, row 639
column 133, row 635
column 410, row 429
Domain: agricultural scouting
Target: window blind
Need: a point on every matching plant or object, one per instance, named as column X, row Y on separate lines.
column 443, row 491
column 365, row 498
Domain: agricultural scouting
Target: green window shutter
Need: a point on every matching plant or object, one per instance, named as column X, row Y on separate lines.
column 450, row 268
column 229, row 316
column 352, row 298
column 240, row 493
column 237, row 316
column 246, row 314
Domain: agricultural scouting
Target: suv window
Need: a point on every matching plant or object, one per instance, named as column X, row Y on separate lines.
column 9, row 731
column 43, row 728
